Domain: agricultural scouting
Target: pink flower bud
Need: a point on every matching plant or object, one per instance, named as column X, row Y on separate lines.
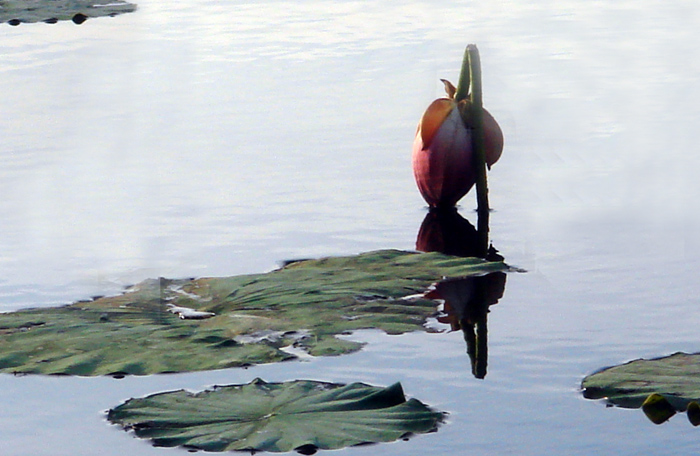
column 443, row 152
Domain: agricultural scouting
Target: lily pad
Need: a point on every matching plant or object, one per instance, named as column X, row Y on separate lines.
column 16, row 12
column 235, row 321
column 676, row 377
column 278, row 417
column 660, row 386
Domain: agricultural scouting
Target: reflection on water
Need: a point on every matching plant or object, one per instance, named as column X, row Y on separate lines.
column 446, row 231
column 466, row 299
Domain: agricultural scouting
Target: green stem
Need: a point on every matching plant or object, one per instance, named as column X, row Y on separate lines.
column 477, row 123
column 462, row 92
column 483, row 233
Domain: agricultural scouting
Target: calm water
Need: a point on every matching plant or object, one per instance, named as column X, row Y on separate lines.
column 211, row 138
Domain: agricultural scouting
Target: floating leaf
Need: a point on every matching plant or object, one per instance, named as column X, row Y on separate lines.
column 16, row 12
column 278, row 417
column 675, row 379
column 251, row 319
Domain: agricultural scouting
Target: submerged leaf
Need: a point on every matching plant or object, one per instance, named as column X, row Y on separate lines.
column 278, row 417
column 251, row 319
column 657, row 408
column 693, row 412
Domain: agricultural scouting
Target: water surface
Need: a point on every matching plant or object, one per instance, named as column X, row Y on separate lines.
column 206, row 139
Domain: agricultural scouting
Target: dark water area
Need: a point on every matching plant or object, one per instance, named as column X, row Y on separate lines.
column 213, row 139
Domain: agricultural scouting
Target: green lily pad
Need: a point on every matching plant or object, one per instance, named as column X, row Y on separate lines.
column 660, row 386
column 675, row 377
column 213, row 323
column 278, row 417
column 16, row 12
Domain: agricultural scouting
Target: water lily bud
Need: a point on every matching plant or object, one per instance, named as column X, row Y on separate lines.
column 443, row 162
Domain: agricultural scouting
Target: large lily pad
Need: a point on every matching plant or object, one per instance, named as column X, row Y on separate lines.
column 302, row 415
column 676, row 377
column 16, row 12
column 212, row 323
column 659, row 386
